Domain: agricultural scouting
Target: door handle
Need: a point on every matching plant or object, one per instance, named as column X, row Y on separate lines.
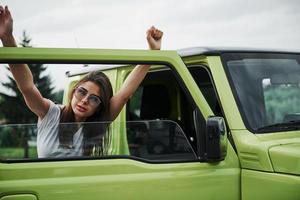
column 19, row 197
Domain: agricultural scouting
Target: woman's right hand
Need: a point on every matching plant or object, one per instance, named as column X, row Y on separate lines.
column 154, row 37
column 6, row 24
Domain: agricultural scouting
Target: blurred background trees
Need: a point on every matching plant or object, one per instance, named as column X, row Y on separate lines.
column 280, row 101
column 13, row 109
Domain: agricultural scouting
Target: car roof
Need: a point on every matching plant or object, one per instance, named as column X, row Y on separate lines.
column 192, row 51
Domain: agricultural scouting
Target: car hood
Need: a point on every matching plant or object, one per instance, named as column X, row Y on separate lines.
column 286, row 158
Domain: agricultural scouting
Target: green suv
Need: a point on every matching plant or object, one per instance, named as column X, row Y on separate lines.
column 204, row 124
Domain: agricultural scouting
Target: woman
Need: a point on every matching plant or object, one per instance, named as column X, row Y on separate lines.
column 91, row 100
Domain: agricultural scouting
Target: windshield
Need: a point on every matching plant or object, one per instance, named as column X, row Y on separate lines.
column 267, row 89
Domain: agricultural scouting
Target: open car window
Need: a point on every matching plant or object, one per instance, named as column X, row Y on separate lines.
column 158, row 128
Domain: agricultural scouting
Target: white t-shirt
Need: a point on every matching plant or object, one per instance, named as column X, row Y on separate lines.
column 48, row 139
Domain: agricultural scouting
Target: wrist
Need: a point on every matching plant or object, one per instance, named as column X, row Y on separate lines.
column 9, row 41
column 154, row 47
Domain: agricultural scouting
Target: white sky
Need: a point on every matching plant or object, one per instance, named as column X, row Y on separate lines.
column 123, row 23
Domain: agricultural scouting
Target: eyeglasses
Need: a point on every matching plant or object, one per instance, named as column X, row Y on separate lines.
column 93, row 100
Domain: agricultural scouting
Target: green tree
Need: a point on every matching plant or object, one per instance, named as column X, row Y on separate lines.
column 12, row 105
column 58, row 96
column 280, row 101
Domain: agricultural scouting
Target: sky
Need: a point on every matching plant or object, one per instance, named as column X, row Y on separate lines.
column 122, row 24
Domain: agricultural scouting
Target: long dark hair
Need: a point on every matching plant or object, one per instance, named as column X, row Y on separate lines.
column 93, row 133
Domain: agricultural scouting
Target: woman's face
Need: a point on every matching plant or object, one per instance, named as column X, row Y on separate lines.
column 85, row 100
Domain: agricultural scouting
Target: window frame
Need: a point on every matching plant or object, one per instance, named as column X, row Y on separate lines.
column 101, row 56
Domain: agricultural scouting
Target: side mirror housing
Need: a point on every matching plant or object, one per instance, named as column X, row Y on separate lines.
column 216, row 139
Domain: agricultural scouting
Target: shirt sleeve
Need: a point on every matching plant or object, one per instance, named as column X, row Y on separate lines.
column 52, row 117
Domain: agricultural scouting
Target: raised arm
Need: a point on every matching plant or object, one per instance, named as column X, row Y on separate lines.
column 21, row 72
column 132, row 82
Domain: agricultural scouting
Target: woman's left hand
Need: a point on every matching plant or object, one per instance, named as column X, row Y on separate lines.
column 154, row 37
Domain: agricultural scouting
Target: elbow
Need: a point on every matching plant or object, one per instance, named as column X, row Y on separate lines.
column 124, row 97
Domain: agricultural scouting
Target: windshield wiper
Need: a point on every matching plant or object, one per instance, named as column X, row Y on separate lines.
column 291, row 125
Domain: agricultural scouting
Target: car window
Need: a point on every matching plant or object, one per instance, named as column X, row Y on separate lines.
column 22, row 141
column 203, row 80
column 153, row 130
column 158, row 140
column 160, row 97
column 151, row 140
column 266, row 88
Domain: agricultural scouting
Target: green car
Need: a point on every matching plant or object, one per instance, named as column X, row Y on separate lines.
column 204, row 124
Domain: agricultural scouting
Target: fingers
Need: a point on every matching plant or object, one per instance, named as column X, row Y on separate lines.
column 154, row 33
column 154, row 37
column 150, row 32
column 157, row 34
column 5, row 11
column 1, row 10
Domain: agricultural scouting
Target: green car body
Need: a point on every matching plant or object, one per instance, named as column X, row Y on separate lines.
column 254, row 166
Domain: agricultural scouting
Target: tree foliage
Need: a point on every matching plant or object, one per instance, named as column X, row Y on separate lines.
column 14, row 110
column 281, row 101
column 12, row 106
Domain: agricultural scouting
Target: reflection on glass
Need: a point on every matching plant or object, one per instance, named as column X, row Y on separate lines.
column 267, row 88
column 282, row 102
column 156, row 140
column 23, row 141
column 18, row 141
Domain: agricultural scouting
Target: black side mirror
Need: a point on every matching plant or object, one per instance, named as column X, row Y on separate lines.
column 216, row 139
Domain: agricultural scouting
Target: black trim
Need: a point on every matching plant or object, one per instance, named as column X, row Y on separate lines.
column 217, row 51
column 13, row 161
column 200, row 128
column 238, row 55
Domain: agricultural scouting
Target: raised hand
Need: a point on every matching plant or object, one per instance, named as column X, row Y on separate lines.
column 154, row 37
column 6, row 23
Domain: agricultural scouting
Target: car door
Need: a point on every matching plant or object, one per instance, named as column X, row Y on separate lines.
column 152, row 156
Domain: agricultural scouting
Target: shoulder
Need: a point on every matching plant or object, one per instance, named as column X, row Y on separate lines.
column 53, row 113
